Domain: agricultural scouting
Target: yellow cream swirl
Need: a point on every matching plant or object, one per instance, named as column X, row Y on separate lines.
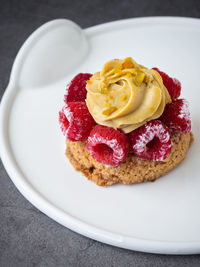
column 126, row 95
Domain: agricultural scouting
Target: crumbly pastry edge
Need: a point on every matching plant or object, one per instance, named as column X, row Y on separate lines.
column 133, row 170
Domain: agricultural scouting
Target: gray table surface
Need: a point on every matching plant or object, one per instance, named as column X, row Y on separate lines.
column 27, row 236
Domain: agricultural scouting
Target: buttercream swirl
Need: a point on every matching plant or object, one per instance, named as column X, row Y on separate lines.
column 126, row 95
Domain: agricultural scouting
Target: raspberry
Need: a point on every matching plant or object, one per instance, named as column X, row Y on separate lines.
column 75, row 121
column 76, row 91
column 64, row 123
column 107, row 145
column 177, row 116
column 172, row 84
column 152, row 141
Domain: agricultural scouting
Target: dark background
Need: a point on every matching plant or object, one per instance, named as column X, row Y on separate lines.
column 28, row 237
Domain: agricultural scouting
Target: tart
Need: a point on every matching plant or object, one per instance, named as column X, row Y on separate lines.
column 126, row 124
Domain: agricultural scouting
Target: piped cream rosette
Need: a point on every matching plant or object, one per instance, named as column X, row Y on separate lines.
column 126, row 95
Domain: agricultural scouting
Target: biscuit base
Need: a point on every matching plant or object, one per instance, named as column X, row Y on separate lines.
column 133, row 170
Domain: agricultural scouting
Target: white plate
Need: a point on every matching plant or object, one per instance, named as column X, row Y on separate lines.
column 160, row 217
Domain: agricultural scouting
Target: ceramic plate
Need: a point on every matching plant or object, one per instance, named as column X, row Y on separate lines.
column 159, row 217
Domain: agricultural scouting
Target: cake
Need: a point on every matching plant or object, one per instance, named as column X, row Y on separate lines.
column 125, row 124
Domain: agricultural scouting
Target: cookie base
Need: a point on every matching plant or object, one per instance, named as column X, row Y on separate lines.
column 133, row 170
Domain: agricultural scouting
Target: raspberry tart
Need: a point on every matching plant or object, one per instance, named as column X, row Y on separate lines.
column 125, row 124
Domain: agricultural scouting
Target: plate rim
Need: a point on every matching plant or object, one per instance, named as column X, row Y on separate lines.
column 48, row 208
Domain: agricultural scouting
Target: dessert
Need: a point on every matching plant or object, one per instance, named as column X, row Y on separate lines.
column 125, row 124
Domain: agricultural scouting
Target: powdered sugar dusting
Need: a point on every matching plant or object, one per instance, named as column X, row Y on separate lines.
column 67, row 113
column 184, row 110
column 75, row 121
column 145, row 134
column 116, row 145
column 177, row 116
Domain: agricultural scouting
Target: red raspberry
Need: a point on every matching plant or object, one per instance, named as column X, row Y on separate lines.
column 76, row 91
column 172, row 84
column 107, row 145
column 177, row 116
column 152, row 141
column 64, row 124
column 75, row 121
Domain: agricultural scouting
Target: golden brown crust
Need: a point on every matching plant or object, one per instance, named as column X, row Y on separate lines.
column 134, row 170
